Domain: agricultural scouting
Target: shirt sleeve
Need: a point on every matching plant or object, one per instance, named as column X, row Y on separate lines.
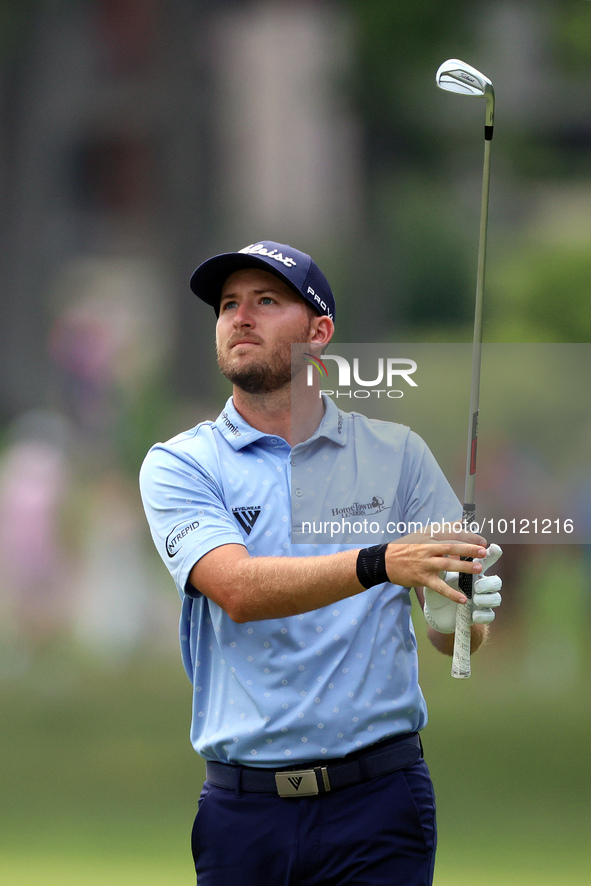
column 426, row 493
column 186, row 511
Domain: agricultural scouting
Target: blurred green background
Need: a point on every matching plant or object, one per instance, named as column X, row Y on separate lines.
column 138, row 137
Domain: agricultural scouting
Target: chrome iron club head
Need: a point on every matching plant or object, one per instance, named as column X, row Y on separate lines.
column 457, row 76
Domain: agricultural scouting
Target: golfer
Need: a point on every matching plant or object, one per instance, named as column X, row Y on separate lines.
column 302, row 656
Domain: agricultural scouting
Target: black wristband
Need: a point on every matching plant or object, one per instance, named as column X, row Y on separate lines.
column 371, row 566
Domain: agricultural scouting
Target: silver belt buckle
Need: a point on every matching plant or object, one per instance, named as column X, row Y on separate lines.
column 300, row 783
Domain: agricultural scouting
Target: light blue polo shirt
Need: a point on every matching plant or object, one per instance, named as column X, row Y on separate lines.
column 317, row 685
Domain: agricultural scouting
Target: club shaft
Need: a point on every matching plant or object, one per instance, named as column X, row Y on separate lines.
column 461, row 667
column 469, row 488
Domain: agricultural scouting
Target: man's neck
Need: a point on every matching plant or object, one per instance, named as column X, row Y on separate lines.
column 291, row 414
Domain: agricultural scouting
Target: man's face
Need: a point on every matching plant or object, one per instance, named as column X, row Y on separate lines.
column 260, row 317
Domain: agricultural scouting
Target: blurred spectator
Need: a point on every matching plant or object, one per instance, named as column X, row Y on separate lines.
column 116, row 606
column 111, row 332
column 34, row 483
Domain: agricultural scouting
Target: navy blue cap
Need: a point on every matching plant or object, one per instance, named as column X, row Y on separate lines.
column 292, row 266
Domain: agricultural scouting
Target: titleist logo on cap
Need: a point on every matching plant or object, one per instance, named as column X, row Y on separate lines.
column 259, row 249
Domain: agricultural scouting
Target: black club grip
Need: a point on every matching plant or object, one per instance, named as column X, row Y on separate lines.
column 465, row 580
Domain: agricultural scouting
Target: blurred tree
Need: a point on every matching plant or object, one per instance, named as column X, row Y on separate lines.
column 103, row 141
column 421, row 183
column 419, row 268
column 572, row 31
column 544, row 289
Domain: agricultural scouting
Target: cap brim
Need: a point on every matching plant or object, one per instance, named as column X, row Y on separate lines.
column 208, row 279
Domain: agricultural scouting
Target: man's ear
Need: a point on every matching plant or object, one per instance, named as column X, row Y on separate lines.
column 323, row 331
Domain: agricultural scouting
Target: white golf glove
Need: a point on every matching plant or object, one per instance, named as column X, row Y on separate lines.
column 440, row 612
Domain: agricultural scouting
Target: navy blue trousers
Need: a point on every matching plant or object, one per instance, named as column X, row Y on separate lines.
column 378, row 833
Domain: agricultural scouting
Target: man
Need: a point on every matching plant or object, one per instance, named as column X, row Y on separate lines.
column 306, row 702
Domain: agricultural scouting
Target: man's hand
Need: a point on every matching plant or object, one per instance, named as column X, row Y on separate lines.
column 440, row 612
column 423, row 560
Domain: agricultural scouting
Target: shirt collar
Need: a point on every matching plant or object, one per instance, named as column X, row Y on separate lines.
column 333, row 426
column 234, row 428
column 238, row 433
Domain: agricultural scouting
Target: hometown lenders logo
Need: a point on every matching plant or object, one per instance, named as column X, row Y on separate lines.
column 389, row 371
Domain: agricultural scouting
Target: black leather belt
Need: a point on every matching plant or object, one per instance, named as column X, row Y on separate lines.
column 318, row 778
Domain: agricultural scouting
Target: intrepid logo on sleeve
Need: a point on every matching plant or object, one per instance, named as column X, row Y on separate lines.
column 175, row 537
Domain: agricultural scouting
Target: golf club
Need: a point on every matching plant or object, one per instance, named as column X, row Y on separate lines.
column 456, row 76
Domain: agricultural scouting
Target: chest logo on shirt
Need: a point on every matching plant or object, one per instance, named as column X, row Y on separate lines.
column 247, row 517
column 360, row 509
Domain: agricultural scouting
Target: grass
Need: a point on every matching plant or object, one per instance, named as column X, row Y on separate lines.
column 512, row 771
column 99, row 782
column 94, row 870
column 98, row 773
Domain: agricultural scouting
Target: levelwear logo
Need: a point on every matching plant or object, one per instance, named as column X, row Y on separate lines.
column 176, row 536
column 247, row 517
column 295, row 781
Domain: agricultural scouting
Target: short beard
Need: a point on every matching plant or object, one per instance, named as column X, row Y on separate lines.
column 257, row 379
column 268, row 377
